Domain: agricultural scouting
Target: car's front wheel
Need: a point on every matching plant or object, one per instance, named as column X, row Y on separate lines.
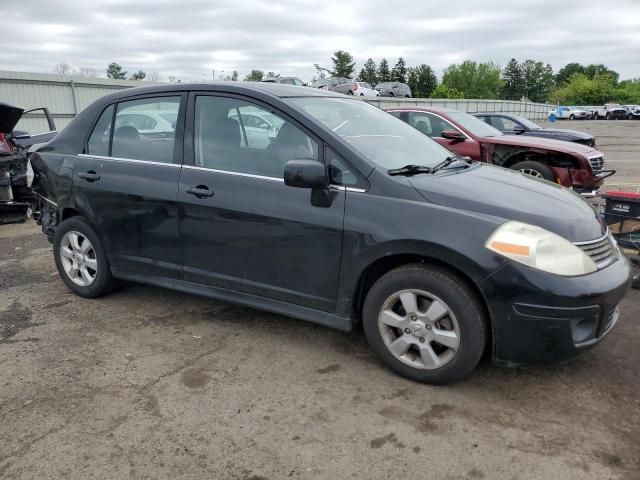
column 81, row 259
column 572, row 117
column 535, row 169
column 424, row 324
column 635, row 265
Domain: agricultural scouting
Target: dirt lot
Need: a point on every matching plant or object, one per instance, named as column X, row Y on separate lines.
column 147, row 383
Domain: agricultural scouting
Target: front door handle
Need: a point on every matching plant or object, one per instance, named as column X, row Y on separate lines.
column 201, row 191
column 89, row 176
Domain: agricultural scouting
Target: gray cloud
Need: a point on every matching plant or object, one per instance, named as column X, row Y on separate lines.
column 191, row 38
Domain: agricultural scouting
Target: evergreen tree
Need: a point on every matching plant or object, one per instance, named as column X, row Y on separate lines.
column 421, row 80
column 139, row 75
column 368, row 72
column 114, row 71
column 343, row 64
column 399, row 71
column 513, row 88
column 254, row 76
column 384, row 74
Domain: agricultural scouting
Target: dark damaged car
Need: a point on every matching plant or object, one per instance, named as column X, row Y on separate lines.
column 515, row 125
column 16, row 174
column 575, row 166
column 347, row 215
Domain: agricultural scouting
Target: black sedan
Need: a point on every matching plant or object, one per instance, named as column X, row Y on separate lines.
column 346, row 215
column 515, row 125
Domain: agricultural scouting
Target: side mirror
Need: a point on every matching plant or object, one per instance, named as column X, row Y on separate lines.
column 453, row 135
column 264, row 126
column 518, row 129
column 305, row 174
column 20, row 135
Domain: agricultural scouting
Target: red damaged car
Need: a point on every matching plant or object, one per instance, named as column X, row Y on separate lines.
column 572, row 165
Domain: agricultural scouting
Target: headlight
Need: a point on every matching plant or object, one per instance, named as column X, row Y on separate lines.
column 540, row 249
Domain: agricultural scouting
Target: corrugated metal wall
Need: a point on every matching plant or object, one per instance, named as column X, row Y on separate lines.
column 66, row 96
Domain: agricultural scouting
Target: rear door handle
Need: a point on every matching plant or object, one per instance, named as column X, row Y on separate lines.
column 201, row 191
column 89, row 176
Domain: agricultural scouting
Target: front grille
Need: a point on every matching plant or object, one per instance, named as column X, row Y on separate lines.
column 601, row 251
column 597, row 163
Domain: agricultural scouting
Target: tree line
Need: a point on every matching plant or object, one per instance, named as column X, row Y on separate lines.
column 533, row 80
column 573, row 84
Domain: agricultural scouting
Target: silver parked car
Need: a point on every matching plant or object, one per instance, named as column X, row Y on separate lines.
column 393, row 89
column 286, row 81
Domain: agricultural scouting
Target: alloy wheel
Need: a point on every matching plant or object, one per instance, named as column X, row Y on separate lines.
column 419, row 329
column 78, row 258
column 533, row 173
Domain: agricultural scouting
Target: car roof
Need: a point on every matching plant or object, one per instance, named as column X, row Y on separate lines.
column 424, row 109
column 280, row 90
column 498, row 114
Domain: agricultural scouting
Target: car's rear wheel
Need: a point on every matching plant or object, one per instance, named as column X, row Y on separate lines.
column 424, row 324
column 535, row 169
column 350, row 92
column 608, row 116
column 572, row 117
column 81, row 260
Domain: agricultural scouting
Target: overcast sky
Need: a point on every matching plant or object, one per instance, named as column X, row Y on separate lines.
column 190, row 38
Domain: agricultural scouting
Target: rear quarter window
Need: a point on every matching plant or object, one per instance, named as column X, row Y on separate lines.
column 98, row 143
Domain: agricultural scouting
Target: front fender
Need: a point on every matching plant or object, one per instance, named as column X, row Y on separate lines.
column 377, row 228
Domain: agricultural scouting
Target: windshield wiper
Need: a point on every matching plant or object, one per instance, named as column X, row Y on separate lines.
column 448, row 161
column 410, row 170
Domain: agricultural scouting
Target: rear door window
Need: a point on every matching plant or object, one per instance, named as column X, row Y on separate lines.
column 142, row 132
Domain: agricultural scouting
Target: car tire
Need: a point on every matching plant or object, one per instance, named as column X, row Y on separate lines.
column 607, row 116
column 629, row 117
column 350, row 92
column 635, row 265
column 456, row 317
column 535, row 169
column 572, row 117
column 83, row 267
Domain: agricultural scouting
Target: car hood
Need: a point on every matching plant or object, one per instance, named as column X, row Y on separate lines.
column 541, row 143
column 9, row 117
column 510, row 195
column 564, row 133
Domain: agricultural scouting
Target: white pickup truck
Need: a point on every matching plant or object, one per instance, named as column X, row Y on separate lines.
column 611, row 111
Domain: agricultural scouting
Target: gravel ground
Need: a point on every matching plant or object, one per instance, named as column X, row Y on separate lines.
column 148, row 383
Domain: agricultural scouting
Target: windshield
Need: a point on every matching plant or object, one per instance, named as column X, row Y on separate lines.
column 474, row 125
column 529, row 124
column 380, row 137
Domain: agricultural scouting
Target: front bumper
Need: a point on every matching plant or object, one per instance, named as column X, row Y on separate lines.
column 539, row 318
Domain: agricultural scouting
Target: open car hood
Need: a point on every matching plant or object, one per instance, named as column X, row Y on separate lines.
column 9, row 117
